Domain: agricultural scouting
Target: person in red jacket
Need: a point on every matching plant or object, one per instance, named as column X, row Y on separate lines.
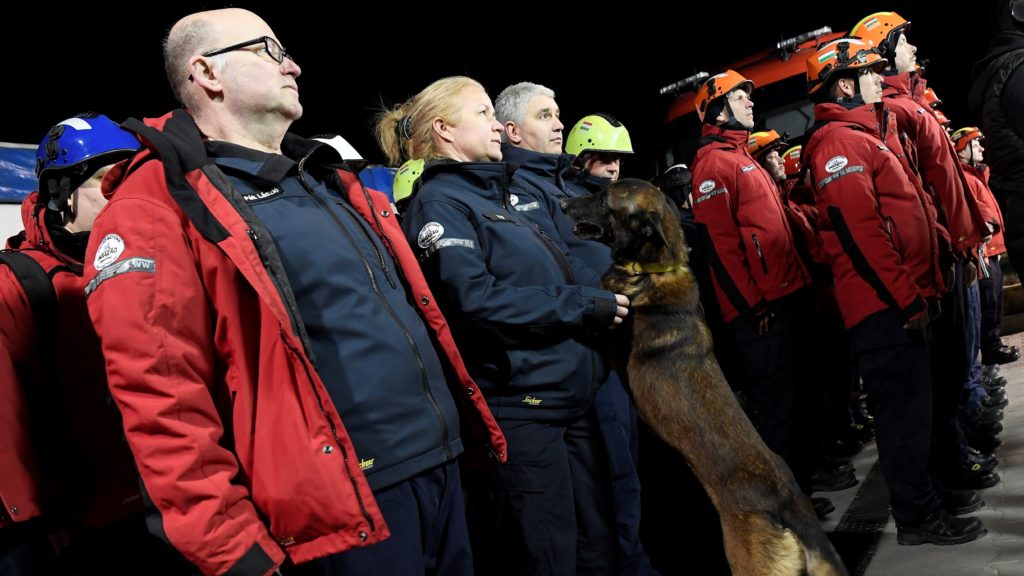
column 290, row 390
column 968, row 144
column 928, row 150
column 930, row 156
column 822, row 350
column 756, row 270
column 881, row 241
column 68, row 475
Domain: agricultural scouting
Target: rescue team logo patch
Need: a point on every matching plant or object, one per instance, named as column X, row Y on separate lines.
column 430, row 233
column 706, row 186
column 836, row 164
column 749, row 168
column 109, row 251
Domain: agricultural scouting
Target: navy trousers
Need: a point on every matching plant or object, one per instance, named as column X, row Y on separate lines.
column 427, row 518
column 893, row 363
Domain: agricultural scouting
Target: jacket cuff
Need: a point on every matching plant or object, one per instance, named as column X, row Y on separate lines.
column 913, row 309
column 255, row 562
column 601, row 317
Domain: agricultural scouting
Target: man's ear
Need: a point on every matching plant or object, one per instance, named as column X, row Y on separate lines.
column 846, row 87
column 204, row 74
column 723, row 116
column 512, row 132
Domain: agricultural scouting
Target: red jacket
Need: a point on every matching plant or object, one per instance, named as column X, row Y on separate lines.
column 754, row 258
column 977, row 182
column 873, row 219
column 803, row 220
column 238, row 443
column 92, row 481
column 933, row 157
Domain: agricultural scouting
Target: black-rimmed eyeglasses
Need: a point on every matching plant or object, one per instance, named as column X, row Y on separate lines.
column 271, row 46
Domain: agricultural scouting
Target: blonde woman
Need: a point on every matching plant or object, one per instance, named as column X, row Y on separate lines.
column 521, row 322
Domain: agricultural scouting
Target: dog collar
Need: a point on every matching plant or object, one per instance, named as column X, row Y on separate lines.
column 638, row 269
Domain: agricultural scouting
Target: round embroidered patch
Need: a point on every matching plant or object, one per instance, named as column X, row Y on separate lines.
column 109, row 251
column 430, row 233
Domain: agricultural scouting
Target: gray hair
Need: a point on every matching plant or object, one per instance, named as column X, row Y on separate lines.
column 510, row 106
column 183, row 42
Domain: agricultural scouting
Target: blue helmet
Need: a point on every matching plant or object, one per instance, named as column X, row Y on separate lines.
column 73, row 150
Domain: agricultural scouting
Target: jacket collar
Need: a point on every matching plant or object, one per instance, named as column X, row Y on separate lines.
column 718, row 137
column 897, row 84
column 485, row 179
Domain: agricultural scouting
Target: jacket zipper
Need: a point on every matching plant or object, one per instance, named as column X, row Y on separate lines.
column 760, row 254
column 380, row 257
column 319, row 402
column 424, row 379
column 387, row 307
column 559, row 257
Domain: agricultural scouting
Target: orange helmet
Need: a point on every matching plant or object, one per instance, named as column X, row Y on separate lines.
column 791, row 161
column 717, row 86
column 931, row 98
column 761, row 143
column 838, row 55
column 942, row 118
column 877, row 30
column 962, row 137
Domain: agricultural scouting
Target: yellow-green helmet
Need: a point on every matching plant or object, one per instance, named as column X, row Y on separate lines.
column 405, row 178
column 598, row 133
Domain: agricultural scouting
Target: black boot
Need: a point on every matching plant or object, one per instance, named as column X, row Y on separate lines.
column 960, row 502
column 942, row 529
column 1001, row 355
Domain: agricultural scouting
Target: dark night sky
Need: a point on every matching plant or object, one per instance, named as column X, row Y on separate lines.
column 84, row 58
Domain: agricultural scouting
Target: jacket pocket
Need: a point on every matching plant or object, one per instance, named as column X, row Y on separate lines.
column 760, row 253
column 894, row 234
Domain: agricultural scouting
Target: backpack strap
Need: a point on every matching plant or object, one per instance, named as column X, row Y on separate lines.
column 42, row 299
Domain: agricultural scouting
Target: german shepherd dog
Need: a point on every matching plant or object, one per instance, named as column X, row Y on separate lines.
column 768, row 525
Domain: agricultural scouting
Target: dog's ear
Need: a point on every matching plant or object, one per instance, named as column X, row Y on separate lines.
column 647, row 224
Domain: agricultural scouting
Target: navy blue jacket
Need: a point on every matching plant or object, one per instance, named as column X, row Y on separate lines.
column 538, row 187
column 371, row 348
column 509, row 292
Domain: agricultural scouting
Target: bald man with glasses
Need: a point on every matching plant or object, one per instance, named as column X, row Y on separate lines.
column 290, row 391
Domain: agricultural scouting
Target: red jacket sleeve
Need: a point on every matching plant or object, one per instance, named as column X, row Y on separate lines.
column 714, row 185
column 150, row 310
column 848, row 200
column 941, row 172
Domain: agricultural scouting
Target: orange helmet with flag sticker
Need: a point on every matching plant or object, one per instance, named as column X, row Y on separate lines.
column 962, row 137
column 878, row 30
column 791, row 161
column 718, row 86
column 761, row 143
column 839, row 55
column 931, row 98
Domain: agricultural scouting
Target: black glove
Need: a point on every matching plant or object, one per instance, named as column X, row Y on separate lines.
column 760, row 318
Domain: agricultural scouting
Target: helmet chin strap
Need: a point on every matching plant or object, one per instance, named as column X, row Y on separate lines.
column 732, row 123
column 60, row 192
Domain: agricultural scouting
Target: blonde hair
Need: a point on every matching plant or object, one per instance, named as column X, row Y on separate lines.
column 406, row 131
